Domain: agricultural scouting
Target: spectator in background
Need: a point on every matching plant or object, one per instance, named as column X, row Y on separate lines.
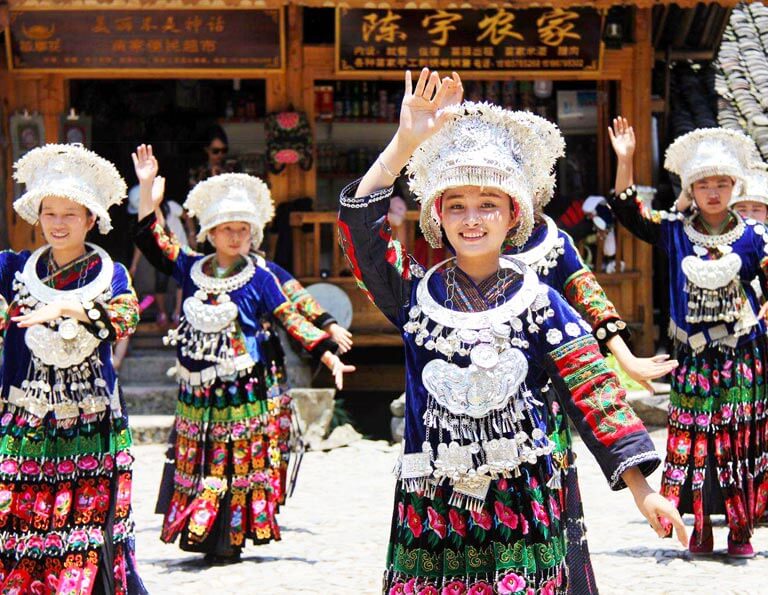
column 216, row 150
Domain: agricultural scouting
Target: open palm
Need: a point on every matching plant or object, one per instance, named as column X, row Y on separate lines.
column 145, row 164
column 420, row 115
column 622, row 137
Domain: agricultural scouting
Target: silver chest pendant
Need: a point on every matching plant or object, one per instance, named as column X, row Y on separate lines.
column 206, row 330
column 479, row 410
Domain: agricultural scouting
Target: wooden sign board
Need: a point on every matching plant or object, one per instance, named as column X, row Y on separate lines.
column 147, row 40
column 491, row 40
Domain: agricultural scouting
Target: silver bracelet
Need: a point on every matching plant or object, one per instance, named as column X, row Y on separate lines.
column 383, row 166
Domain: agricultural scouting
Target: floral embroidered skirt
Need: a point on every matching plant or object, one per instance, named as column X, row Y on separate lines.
column 281, row 431
column 717, row 446
column 581, row 576
column 65, row 505
column 514, row 543
column 225, row 488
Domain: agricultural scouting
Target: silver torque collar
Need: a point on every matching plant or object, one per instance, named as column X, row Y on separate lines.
column 214, row 285
column 537, row 254
column 479, row 320
column 87, row 293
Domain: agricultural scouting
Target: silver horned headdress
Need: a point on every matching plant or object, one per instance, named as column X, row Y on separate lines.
column 72, row 172
column 231, row 197
column 709, row 152
column 486, row 145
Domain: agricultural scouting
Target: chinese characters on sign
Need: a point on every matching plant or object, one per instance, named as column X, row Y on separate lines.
column 197, row 39
column 494, row 39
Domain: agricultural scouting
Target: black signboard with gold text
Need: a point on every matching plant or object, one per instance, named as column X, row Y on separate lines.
column 488, row 40
column 146, row 39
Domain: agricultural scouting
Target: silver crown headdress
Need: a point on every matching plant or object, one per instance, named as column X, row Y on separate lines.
column 486, row 145
column 710, row 152
column 231, row 197
column 72, row 172
column 755, row 185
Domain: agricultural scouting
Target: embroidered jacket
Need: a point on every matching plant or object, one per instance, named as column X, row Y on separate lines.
column 117, row 318
column 305, row 304
column 260, row 296
column 556, row 343
column 742, row 257
column 552, row 253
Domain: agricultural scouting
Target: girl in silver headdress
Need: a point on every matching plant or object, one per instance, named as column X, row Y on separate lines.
column 717, row 448
column 226, row 486
column 65, row 463
column 478, row 505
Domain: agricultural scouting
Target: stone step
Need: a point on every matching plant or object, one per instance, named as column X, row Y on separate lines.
column 150, row 399
column 147, row 366
column 150, row 429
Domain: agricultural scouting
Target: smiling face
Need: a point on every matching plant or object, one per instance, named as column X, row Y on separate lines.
column 751, row 209
column 231, row 239
column 712, row 194
column 476, row 220
column 65, row 223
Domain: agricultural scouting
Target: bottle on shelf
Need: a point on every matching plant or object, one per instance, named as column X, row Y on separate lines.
column 356, row 103
column 365, row 103
column 347, row 101
column 338, row 101
column 383, row 105
column 374, row 101
column 508, row 95
column 229, row 110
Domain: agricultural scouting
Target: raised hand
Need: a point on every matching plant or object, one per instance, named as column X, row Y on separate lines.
column 145, row 164
column 158, row 190
column 420, row 112
column 622, row 137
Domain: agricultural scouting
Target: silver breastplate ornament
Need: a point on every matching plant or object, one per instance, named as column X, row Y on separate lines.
column 209, row 324
column 65, row 372
column 713, row 285
column 479, row 407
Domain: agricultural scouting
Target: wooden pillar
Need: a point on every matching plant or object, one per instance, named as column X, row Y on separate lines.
column 640, row 112
column 284, row 90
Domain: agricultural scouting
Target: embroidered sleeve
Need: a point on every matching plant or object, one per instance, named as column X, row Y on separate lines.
column 119, row 317
column 297, row 326
column 594, row 399
column 640, row 221
column 585, row 294
column 305, row 304
column 162, row 249
column 379, row 263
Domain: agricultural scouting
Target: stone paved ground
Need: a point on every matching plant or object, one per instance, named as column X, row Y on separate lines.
column 335, row 531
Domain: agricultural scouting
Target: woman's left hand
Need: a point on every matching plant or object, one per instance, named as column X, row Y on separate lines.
column 337, row 367
column 42, row 315
column 341, row 336
column 657, row 509
column 644, row 369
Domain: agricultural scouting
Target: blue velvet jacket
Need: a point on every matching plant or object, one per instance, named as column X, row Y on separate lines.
column 560, row 346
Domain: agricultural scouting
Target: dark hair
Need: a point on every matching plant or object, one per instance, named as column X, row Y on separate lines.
column 213, row 133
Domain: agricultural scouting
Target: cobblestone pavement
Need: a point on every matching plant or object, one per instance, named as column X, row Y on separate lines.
column 335, row 531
